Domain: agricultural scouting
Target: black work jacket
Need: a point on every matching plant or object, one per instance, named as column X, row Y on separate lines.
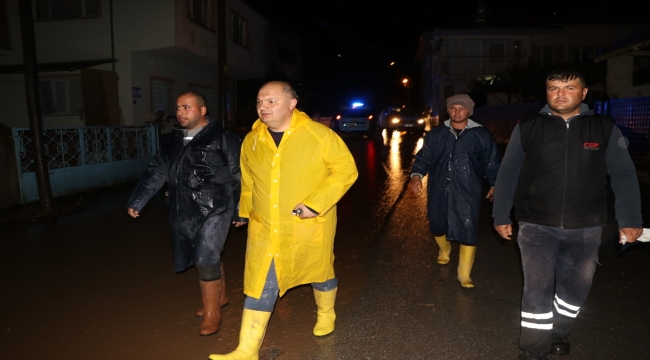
column 563, row 179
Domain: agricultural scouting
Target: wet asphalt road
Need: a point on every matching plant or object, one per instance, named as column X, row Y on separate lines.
column 97, row 284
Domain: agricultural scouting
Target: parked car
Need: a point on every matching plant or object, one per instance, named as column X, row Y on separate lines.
column 357, row 119
column 398, row 118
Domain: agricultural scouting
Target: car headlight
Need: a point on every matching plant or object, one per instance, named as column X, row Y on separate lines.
column 395, row 120
column 420, row 121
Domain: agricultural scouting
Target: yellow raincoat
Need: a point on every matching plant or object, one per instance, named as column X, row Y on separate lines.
column 312, row 166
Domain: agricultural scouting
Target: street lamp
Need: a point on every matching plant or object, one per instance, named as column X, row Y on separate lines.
column 405, row 81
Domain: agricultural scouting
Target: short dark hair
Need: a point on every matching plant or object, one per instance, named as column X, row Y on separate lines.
column 286, row 88
column 200, row 98
column 566, row 74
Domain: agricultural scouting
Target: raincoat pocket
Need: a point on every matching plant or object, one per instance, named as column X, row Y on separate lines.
column 308, row 230
column 254, row 228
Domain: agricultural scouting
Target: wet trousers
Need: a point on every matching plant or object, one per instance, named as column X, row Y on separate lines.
column 209, row 273
column 558, row 266
column 266, row 302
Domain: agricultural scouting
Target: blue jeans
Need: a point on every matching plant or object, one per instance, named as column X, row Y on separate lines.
column 559, row 266
column 266, row 302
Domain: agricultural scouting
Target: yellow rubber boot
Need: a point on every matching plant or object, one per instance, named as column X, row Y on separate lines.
column 445, row 249
column 251, row 335
column 465, row 263
column 326, row 316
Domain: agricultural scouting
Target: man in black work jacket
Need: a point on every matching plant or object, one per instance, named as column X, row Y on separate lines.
column 555, row 171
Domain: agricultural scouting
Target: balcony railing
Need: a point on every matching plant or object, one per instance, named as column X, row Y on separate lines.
column 477, row 66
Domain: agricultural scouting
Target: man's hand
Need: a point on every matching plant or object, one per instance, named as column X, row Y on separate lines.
column 490, row 194
column 239, row 223
column 630, row 233
column 134, row 213
column 416, row 184
column 505, row 231
column 305, row 212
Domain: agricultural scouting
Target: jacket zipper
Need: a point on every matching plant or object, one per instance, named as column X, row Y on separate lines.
column 566, row 155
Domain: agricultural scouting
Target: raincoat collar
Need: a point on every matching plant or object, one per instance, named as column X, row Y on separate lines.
column 298, row 119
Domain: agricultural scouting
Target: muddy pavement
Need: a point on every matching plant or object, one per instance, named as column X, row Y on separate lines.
column 97, row 284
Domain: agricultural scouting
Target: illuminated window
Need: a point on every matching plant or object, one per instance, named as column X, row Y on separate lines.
column 66, row 9
column 202, row 13
column 239, row 29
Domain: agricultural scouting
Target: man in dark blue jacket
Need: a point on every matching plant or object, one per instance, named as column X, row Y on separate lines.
column 200, row 164
column 555, row 170
column 457, row 156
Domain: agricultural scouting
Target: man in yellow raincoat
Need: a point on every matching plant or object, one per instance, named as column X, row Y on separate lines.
column 294, row 171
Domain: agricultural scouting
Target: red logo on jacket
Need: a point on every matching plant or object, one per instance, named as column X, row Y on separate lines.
column 591, row 146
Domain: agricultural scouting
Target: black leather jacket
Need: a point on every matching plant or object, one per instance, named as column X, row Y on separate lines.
column 204, row 185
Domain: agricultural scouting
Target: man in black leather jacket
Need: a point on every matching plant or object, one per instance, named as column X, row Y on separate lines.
column 199, row 162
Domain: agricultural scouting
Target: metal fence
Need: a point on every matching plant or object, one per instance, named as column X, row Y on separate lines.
column 67, row 147
column 82, row 158
column 632, row 116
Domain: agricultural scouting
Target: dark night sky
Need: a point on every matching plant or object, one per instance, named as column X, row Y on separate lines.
column 347, row 45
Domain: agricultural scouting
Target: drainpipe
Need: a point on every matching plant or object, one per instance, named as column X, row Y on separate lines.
column 222, row 71
column 110, row 5
column 33, row 111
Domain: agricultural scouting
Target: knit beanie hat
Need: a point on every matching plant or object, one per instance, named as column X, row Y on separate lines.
column 461, row 99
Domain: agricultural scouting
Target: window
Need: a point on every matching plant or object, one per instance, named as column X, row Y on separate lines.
column 60, row 96
column 202, row 13
column 239, row 29
column 5, row 37
column 66, row 9
column 162, row 95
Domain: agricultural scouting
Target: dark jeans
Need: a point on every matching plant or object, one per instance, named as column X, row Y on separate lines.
column 558, row 265
column 266, row 302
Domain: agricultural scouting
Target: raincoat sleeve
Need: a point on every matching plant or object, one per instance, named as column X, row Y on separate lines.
column 232, row 147
column 342, row 174
column 154, row 179
column 422, row 162
column 507, row 179
column 493, row 161
column 246, row 197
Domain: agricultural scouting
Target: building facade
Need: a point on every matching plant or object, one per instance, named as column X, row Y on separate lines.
column 453, row 58
column 121, row 62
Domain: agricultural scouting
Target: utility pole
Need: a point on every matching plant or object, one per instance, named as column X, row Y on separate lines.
column 221, row 63
column 35, row 121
